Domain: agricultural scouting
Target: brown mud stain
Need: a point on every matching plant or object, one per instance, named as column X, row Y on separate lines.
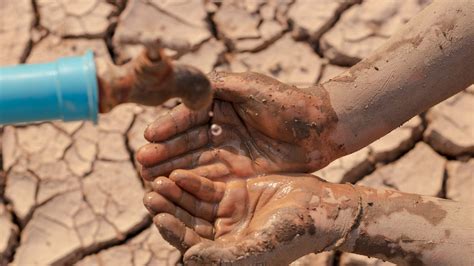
column 445, row 26
column 370, row 62
column 413, row 204
column 175, row 240
column 301, row 128
column 447, row 233
column 379, row 246
column 305, row 116
column 344, row 78
column 329, row 125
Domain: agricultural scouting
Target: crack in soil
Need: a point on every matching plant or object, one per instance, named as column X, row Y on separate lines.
column 316, row 44
column 110, row 32
column 133, row 232
column 130, row 235
column 36, row 28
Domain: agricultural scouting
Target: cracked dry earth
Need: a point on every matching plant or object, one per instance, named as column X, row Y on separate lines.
column 70, row 192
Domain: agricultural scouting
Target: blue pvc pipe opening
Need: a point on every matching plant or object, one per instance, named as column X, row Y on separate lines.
column 65, row 89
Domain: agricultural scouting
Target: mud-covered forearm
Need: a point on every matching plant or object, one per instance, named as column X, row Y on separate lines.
column 275, row 219
column 335, row 210
column 426, row 62
column 405, row 229
column 412, row 230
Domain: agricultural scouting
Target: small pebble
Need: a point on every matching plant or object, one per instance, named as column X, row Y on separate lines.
column 216, row 130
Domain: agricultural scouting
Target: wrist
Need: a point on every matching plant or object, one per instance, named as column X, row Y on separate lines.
column 329, row 141
column 335, row 215
column 409, row 229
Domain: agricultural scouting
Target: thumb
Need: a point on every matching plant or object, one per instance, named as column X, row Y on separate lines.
column 238, row 87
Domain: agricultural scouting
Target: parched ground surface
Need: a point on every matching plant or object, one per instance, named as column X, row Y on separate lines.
column 70, row 193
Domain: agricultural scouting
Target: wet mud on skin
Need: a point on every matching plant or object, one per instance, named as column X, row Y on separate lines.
column 127, row 125
column 392, row 202
column 285, row 218
column 378, row 205
column 444, row 27
column 389, row 87
column 304, row 115
column 380, row 246
column 375, row 61
column 267, row 127
column 272, row 240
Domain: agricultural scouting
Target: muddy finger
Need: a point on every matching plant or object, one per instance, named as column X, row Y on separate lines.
column 156, row 204
column 175, row 232
column 174, row 122
column 155, row 153
column 214, row 171
column 183, row 199
column 199, row 186
column 185, row 161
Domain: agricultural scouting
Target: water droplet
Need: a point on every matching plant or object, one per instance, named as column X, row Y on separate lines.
column 211, row 113
column 216, row 130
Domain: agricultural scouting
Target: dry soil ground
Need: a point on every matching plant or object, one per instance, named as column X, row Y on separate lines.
column 70, row 193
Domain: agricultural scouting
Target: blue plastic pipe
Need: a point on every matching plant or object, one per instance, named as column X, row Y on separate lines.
column 65, row 89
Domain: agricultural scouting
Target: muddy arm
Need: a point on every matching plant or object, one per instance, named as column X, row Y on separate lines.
column 275, row 219
column 402, row 228
column 426, row 62
column 410, row 229
column 151, row 79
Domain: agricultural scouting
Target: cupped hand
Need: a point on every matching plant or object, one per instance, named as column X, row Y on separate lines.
column 271, row 219
column 266, row 127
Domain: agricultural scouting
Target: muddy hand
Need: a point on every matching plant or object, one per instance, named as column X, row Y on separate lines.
column 273, row 219
column 151, row 79
column 266, row 127
column 282, row 217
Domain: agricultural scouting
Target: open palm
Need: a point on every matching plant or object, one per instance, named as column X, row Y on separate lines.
column 267, row 127
column 273, row 219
